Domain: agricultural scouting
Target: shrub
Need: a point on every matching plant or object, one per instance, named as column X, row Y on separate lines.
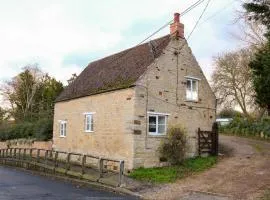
column 174, row 147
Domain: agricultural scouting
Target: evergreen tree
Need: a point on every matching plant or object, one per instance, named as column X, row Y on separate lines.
column 259, row 10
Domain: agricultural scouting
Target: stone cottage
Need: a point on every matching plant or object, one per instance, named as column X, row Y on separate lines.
column 121, row 106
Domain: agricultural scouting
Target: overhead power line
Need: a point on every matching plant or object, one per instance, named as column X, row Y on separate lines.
column 168, row 23
column 205, row 8
column 231, row 3
column 162, row 27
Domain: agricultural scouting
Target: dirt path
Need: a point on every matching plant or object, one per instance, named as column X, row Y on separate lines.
column 243, row 173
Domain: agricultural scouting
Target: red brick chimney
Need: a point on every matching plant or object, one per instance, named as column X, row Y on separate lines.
column 177, row 28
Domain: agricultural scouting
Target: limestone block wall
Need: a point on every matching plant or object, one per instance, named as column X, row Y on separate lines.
column 113, row 125
column 162, row 89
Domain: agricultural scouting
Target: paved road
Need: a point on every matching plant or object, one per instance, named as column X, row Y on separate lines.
column 21, row 185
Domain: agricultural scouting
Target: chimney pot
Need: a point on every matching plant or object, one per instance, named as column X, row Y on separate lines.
column 176, row 17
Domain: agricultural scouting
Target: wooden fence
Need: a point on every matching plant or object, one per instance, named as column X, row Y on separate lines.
column 208, row 141
column 87, row 167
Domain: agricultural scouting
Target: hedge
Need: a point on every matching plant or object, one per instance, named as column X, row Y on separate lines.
column 40, row 130
column 245, row 127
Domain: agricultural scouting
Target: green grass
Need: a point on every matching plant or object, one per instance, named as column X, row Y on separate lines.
column 172, row 173
column 258, row 147
column 266, row 195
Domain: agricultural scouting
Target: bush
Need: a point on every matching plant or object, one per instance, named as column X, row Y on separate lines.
column 40, row 130
column 174, row 148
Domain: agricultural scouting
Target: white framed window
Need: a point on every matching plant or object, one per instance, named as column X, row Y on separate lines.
column 63, row 128
column 192, row 89
column 157, row 123
column 88, row 122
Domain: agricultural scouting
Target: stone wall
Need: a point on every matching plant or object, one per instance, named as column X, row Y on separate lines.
column 163, row 89
column 24, row 143
column 113, row 117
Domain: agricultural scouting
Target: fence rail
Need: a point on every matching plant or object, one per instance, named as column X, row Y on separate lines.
column 74, row 164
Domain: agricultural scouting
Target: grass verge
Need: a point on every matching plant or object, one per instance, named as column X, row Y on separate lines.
column 266, row 195
column 172, row 173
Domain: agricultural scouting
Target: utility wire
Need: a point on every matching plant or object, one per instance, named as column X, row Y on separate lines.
column 195, row 26
column 231, row 3
column 199, row 19
column 165, row 25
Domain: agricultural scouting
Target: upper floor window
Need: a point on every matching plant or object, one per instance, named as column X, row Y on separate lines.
column 157, row 123
column 63, row 128
column 192, row 89
column 89, row 125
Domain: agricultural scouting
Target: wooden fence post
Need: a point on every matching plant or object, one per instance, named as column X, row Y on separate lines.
column 10, row 152
column 83, row 164
column 14, row 153
column 199, row 141
column 121, row 172
column 100, row 167
column 46, row 157
column 31, row 153
column 68, row 162
column 24, row 153
column 38, row 155
column 55, row 161
column 20, row 151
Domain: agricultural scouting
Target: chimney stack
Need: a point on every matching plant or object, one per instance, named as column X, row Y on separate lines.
column 177, row 28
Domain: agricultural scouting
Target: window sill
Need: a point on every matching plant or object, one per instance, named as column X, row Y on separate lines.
column 89, row 131
column 62, row 136
column 157, row 135
column 192, row 101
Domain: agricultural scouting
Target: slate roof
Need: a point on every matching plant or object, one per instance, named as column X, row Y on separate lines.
column 118, row 71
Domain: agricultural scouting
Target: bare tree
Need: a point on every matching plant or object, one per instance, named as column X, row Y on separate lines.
column 251, row 33
column 21, row 90
column 232, row 81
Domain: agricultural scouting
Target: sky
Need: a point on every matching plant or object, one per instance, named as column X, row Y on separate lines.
column 63, row 36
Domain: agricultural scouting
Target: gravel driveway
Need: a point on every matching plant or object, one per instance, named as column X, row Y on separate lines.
column 242, row 173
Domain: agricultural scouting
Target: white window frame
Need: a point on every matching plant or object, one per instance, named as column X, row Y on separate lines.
column 191, row 79
column 63, row 128
column 91, row 123
column 154, row 114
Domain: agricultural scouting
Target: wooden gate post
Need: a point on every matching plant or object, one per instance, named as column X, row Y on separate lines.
column 199, row 141
column 215, row 139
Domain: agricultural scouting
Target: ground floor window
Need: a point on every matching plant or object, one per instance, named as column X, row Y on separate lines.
column 157, row 123
column 63, row 128
column 89, row 122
